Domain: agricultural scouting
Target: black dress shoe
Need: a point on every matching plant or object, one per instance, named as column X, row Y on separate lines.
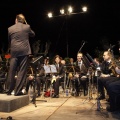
column 101, row 97
column 38, row 95
column 55, row 96
column 20, row 93
column 110, row 109
column 76, row 94
column 9, row 93
column 2, row 91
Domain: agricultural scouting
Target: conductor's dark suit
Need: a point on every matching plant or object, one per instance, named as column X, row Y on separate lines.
column 18, row 36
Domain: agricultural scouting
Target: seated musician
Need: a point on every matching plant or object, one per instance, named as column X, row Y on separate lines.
column 79, row 79
column 59, row 77
column 107, row 76
column 114, row 96
column 40, row 77
column 71, row 61
column 43, row 78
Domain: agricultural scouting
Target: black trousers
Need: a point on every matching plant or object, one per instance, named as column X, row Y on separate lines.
column 79, row 82
column 103, row 82
column 56, row 85
column 19, row 64
column 114, row 94
column 29, row 83
column 40, row 81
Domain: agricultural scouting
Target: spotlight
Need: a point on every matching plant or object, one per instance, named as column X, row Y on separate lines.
column 50, row 15
column 84, row 9
column 62, row 11
column 70, row 10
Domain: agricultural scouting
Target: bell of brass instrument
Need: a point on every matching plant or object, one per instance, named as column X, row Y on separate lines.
column 53, row 78
column 70, row 75
column 115, row 67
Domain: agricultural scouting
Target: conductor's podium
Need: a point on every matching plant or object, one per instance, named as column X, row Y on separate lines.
column 11, row 103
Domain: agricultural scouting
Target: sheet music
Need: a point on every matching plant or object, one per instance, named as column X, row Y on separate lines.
column 50, row 69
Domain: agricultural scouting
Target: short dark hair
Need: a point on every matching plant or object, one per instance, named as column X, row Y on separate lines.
column 20, row 18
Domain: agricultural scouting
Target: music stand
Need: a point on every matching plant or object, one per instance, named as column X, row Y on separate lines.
column 34, row 64
column 73, row 69
column 50, row 69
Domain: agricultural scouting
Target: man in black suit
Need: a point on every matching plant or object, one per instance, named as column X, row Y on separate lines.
column 79, row 78
column 114, row 96
column 107, row 76
column 18, row 36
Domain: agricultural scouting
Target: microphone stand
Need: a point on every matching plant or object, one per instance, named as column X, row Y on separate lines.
column 99, row 106
column 81, row 46
column 89, row 74
column 34, row 63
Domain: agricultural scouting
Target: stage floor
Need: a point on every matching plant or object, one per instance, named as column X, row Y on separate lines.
column 63, row 108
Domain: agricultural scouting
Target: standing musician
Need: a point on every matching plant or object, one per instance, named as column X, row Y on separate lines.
column 59, row 76
column 79, row 78
column 18, row 35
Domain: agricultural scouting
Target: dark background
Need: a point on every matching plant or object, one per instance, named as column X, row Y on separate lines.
column 99, row 27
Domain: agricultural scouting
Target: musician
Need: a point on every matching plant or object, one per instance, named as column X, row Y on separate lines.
column 40, row 78
column 18, row 36
column 114, row 96
column 59, row 77
column 63, row 62
column 71, row 61
column 80, row 78
column 43, row 78
column 106, row 76
column 97, row 70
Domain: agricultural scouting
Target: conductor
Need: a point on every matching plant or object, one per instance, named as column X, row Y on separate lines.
column 18, row 36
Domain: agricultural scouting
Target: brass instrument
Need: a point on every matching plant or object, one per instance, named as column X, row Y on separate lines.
column 30, row 73
column 114, row 66
column 70, row 75
column 53, row 78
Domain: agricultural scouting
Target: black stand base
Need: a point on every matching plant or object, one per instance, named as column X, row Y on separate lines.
column 8, row 118
column 34, row 100
column 99, row 106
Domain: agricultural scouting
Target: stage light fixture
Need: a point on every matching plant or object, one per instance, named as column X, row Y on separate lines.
column 84, row 9
column 70, row 9
column 62, row 11
column 50, row 15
